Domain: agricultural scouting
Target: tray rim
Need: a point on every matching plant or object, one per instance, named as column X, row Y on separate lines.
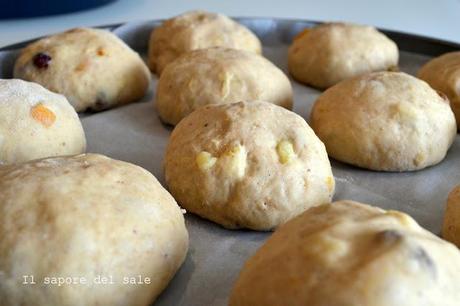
column 432, row 46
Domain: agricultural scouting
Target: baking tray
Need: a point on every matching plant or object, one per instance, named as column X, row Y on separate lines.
column 135, row 134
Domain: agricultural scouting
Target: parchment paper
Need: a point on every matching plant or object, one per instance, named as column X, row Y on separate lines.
column 134, row 133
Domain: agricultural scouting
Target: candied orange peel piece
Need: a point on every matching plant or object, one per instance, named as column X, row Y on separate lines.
column 285, row 151
column 83, row 65
column 101, row 51
column 330, row 183
column 302, row 34
column 43, row 115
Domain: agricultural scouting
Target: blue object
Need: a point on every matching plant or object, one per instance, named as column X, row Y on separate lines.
column 35, row 8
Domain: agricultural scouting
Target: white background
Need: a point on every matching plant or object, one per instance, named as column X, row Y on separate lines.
column 435, row 18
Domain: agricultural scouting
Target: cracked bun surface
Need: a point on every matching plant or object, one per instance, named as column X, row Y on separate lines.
column 36, row 123
column 197, row 30
column 86, row 217
column 93, row 68
column 385, row 121
column 247, row 165
column 217, row 76
column 326, row 54
column 348, row 253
